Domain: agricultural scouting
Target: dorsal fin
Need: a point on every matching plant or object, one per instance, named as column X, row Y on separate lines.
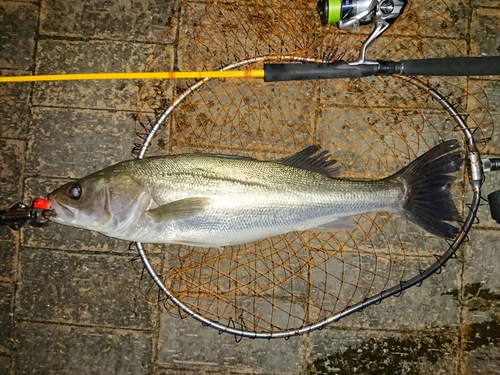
column 312, row 159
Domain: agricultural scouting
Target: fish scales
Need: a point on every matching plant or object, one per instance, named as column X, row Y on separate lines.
column 268, row 185
column 250, row 196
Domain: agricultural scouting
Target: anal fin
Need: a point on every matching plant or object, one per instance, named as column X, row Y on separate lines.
column 342, row 223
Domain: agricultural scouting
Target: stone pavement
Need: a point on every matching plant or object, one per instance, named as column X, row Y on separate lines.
column 69, row 299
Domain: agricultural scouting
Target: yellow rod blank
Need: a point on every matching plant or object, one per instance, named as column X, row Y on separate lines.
column 138, row 75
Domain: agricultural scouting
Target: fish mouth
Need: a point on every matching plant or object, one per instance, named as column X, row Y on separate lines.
column 61, row 213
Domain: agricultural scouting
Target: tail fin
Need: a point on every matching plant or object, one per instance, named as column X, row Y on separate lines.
column 428, row 202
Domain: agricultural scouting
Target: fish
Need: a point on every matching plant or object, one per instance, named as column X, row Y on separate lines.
column 212, row 200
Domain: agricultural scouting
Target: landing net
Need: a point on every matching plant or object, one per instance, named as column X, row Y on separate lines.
column 374, row 126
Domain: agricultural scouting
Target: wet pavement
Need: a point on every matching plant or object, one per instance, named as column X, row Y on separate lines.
column 69, row 299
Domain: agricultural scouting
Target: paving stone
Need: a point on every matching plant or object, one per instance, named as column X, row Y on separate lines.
column 219, row 353
column 316, row 294
column 437, row 32
column 269, row 116
column 11, row 166
column 481, row 342
column 62, row 287
column 432, row 305
column 62, row 56
column 61, row 349
column 484, row 32
column 6, row 304
column 492, row 148
column 14, row 106
column 388, row 47
column 490, row 89
column 11, row 163
column 482, row 288
column 374, row 143
column 241, row 36
column 486, row 4
column 333, row 351
column 73, row 143
column 200, row 46
column 484, row 107
column 373, row 92
column 17, row 29
column 4, row 365
column 8, row 254
column 199, row 370
column 444, row 19
column 144, row 21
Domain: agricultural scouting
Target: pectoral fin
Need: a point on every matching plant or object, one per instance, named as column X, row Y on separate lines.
column 179, row 209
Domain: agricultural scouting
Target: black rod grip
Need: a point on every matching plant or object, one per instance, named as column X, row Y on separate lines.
column 449, row 66
column 313, row 71
column 452, row 66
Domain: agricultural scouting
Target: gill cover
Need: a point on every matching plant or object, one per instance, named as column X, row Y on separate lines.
column 104, row 201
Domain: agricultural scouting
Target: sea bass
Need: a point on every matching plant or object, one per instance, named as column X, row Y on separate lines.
column 213, row 200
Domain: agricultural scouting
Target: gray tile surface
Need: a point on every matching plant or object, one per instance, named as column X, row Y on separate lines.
column 112, row 19
column 95, row 290
column 59, row 349
column 18, row 29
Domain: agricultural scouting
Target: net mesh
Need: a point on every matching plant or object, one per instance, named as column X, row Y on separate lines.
column 372, row 126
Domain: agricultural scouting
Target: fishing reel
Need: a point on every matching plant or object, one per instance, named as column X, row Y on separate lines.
column 350, row 14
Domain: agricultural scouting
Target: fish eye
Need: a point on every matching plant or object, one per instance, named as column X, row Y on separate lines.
column 75, row 191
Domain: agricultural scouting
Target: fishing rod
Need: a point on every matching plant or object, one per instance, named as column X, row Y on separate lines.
column 351, row 14
column 348, row 15
column 450, row 66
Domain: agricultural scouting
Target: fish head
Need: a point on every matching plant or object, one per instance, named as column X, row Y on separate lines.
column 104, row 202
